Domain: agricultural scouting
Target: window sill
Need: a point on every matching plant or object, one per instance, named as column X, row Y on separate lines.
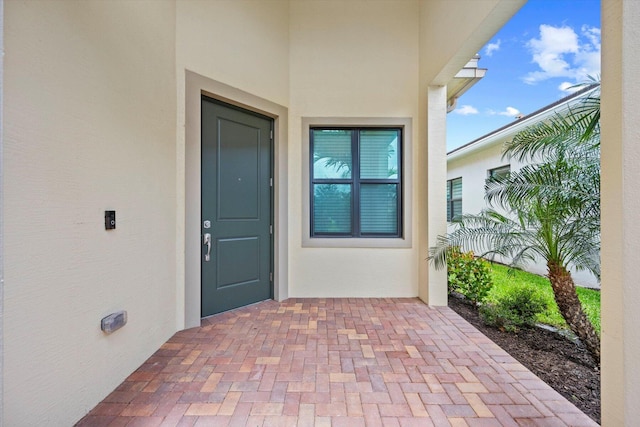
column 356, row 242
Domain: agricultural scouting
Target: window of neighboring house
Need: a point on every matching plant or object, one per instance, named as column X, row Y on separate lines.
column 356, row 182
column 454, row 198
column 501, row 172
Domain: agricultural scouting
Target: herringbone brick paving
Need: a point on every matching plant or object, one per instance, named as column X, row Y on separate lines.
column 334, row 362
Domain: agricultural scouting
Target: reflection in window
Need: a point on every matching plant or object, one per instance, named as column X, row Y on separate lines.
column 332, row 208
column 499, row 173
column 356, row 182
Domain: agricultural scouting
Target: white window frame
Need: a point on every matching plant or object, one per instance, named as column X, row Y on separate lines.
column 450, row 199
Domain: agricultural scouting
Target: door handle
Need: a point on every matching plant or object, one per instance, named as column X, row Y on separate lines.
column 207, row 241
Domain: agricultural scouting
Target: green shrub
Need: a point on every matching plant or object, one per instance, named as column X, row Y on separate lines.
column 515, row 308
column 468, row 275
column 497, row 315
column 505, row 278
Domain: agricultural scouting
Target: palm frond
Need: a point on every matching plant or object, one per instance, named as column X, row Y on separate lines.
column 488, row 234
column 576, row 129
column 563, row 182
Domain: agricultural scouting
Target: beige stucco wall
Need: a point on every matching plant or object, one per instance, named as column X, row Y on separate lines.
column 89, row 125
column 432, row 283
column 254, row 59
column 349, row 59
column 620, row 207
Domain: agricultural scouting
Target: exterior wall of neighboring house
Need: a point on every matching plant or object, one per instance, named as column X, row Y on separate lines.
column 474, row 161
column 473, row 170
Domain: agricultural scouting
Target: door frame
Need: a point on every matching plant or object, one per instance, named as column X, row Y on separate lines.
column 197, row 85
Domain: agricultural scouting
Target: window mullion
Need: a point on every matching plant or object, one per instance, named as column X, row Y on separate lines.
column 399, row 186
column 355, row 176
column 311, row 184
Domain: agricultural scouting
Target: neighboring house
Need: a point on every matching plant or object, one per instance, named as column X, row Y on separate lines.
column 135, row 107
column 469, row 166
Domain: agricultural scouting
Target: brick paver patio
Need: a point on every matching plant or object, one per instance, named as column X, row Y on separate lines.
column 334, row 362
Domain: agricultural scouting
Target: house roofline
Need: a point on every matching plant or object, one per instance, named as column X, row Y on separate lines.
column 521, row 122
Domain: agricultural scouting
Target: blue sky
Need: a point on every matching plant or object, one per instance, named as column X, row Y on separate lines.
column 547, row 46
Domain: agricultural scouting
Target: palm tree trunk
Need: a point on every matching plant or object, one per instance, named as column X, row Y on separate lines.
column 564, row 291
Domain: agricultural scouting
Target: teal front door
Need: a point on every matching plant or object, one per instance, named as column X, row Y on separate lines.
column 236, row 222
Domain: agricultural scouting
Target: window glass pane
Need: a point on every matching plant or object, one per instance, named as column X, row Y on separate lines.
column 332, row 208
column 379, row 154
column 449, row 211
column 457, row 208
column 379, row 208
column 332, row 153
column 457, row 188
column 448, row 190
column 501, row 172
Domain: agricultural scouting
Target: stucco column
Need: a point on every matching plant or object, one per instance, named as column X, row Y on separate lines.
column 620, row 209
column 1, row 218
column 433, row 283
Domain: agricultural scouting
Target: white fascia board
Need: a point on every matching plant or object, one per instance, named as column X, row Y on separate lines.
column 471, row 73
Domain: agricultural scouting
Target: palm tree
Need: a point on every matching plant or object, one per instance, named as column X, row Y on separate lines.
column 548, row 209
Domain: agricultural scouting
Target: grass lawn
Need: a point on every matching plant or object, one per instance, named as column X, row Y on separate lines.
column 503, row 280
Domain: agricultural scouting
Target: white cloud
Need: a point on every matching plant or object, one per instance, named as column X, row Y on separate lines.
column 509, row 112
column 568, row 87
column 560, row 52
column 492, row 47
column 593, row 34
column 466, row 110
column 588, row 58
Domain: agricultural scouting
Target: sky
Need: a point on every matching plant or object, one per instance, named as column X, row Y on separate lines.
column 547, row 47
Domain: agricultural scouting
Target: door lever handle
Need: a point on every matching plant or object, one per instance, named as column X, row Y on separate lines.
column 207, row 242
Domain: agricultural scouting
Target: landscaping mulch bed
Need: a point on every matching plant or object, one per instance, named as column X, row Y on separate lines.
column 558, row 361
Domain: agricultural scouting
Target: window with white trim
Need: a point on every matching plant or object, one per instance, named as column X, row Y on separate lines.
column 454, row 198
column 355, row 182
